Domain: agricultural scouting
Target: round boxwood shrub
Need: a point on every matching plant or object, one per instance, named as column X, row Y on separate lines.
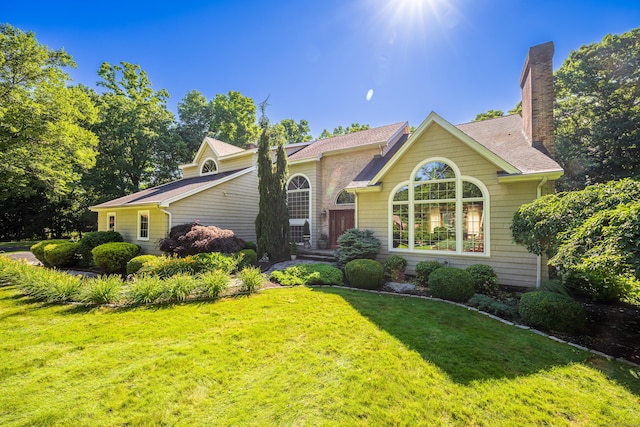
column 251, row 245
column 136, row 263
column 394, row 267
column 485, row 280
column 248, row 258
column 364, row 273
column 113, row 257
column 61, row 254
column 424, row 269
column 552, row 311
column 38, row 249
column 93, row 239
column 451, row 284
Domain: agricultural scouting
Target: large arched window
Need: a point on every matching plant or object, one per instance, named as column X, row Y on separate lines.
column 438, row 210
column 298, row 202
column 345, row 198
column 208, row 167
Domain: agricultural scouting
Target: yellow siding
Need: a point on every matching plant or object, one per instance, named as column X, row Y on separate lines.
column 513, row 264
column 127, row 225
column 235, row 163
column 191, row 172
column 232, row 205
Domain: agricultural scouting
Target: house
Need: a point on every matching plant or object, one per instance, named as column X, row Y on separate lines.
column 443, row 192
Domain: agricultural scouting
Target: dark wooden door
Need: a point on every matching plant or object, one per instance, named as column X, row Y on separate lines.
column 339, row 222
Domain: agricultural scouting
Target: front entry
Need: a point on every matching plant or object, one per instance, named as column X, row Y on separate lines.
column 339, row 222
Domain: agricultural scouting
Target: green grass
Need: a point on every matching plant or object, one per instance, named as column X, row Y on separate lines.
column 296, row 356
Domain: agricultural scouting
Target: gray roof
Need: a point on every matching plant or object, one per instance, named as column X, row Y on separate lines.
column 157, row 195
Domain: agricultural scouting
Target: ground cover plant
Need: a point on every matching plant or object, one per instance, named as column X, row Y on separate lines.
column 296, row 356
column 308, row 274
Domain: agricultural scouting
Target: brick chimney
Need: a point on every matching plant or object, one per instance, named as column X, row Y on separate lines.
column 538, row 97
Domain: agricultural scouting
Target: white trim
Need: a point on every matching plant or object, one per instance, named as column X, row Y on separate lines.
column 550, row 175
column 294, row 222
column 109, row 215
column 459, row 201
column 208, row 173
column 466, row 139
column 139, row 228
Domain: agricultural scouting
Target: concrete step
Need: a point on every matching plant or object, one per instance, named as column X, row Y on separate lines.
column 323, row 256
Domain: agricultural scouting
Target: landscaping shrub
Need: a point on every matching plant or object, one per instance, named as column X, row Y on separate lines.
column 599, row 285
column 357, row 244
column 424, row 270
column 136, row 263
column 252, row 280
column 247, row 258
column 308, row 274
column 145, row 290
column 179, row 287
column 552, row 311
column 193, row 238
column 251, row 245
column 167, row 266
column 214, row 283
column 94, row 239
column 41, row 283
column 485, row 280
column 394, row 267
column 38, row 249
column 490, row 305
column 364, row 273
column 113, row 257
column 61, row 254
column 451, row 284
column 217, row 261
column 102, row 290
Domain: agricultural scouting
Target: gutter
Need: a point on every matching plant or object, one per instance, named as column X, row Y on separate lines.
column 169, row 215
column 539, row 257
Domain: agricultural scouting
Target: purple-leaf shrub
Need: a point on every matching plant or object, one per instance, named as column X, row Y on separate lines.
column 193, row 238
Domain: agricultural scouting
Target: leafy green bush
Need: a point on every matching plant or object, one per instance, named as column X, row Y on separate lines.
column 357, row 244
column 364, row 273
column 451, row 284
column 485, row 280
column 102, row 290
column 145, row 290
column 424, row 270
column 179, row 287
column 247, row 258
column 113, row 257
column 601, row 285
column 552, row 311
column 136, row 263
column 94, row 239
column 394, row 267
column 41, row 283
column 167, row 266
column 308, row 274
column 251, row 245
column 61, row 254
column 38, row 249
column 252, row 280
column 489, row 305
column 214, row 283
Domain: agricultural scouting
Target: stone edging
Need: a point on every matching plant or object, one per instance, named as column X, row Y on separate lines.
column 507, row 322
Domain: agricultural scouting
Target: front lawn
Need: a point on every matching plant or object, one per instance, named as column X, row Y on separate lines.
column 296, row 356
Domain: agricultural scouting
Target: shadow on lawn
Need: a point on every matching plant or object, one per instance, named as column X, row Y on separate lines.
column 469, row 346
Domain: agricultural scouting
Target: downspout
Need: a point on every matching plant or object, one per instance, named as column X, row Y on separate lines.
column 169, row 215
column 539, row 257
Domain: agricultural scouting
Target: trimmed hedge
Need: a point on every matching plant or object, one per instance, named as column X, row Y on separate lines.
column 394, row 267
column 424, row 270
column 552, row 311
column 364, row 273
column 485, row 280
column 94, row 239
column 38, row 249
column 61, row 254
column 451, row 284
column 308, row 274
column 113, row 257
column 135, row 264
column 247, row 258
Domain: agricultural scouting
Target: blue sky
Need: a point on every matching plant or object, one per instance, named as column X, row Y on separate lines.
column 327, row 61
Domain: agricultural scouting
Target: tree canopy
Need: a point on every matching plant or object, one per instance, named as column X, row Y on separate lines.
column 354, row 127
column 234, row 119
column 598, row 111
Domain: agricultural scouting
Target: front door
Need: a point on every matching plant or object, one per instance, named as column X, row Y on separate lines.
column 339, row 222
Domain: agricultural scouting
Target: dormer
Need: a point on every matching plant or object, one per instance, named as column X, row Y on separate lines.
column 215, row 156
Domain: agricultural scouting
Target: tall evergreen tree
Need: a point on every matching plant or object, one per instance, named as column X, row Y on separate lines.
column 272, row 222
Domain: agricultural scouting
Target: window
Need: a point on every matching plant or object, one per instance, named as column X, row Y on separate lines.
column 209, row 167
column 438, row 210
column 298, row 202
column 111, row 221
column 345, row 198
column 143, row 225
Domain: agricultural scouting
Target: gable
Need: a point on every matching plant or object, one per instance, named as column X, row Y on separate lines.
column 218, row 152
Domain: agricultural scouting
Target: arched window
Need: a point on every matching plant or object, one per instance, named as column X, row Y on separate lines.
column 208, row 167
column 299, row 203
column 345, row 198
column 439, row 210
